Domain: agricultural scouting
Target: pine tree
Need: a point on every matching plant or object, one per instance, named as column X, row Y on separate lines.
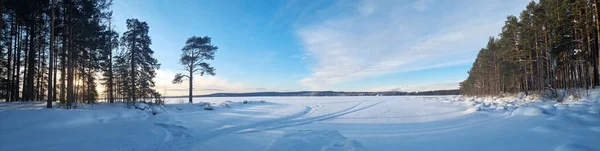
column 196, row 52
column 136, row 45
column 552, row 45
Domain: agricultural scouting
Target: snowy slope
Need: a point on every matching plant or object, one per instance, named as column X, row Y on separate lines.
column 309, row 123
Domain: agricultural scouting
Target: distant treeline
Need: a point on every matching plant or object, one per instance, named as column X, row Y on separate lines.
column 554, row 44
column 326, row 93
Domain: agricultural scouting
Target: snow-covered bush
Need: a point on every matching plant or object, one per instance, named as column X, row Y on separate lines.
column 550, row 94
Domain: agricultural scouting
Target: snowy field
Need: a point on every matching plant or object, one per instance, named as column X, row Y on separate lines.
column 309, row 123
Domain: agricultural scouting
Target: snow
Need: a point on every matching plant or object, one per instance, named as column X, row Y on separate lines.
column 529, row 111
column 325, row 140
column 309, row 123
column 473, row 109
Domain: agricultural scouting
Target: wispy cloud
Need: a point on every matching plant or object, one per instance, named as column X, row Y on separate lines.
column 390, row 40
column 419, row 87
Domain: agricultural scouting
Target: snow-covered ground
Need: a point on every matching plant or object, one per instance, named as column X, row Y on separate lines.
column 309, row 123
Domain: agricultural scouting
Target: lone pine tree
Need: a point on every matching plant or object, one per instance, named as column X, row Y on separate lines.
column 195, row 53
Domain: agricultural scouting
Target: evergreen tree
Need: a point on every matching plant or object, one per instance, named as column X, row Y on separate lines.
column 196, row 52
column 141, row 65
column 551, row 45
column 53, row 50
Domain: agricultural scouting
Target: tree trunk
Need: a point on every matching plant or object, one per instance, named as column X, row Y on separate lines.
column 51, row 60
column 597, row 39
column 538, row 65
column 31, row 66
column 9, row 61
column 191, row 88
column 18, row 66
column 111, row 96
column 70, row 73
column 63, row 71
column 133, row 86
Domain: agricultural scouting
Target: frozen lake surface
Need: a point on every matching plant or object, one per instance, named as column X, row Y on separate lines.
column 308, row 123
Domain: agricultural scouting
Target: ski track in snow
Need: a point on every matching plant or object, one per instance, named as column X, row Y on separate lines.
column 301, row 118
column 183, row 144
column 433, row 130
column 297, row 122
column 286, row 121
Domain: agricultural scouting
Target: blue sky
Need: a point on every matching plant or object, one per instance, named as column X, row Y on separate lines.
column 340, row 45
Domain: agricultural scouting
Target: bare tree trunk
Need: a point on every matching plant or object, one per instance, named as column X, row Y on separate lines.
column 30, row 66
column 8, row 68
column 9, row 61
column 191, row 86
column 70, row 71
column 18, row 66
column 133, row 88
column 597, row 39
column 538, row 64
column 63, row 71
column 51, row 60
column 28, row 43
column 111, row 96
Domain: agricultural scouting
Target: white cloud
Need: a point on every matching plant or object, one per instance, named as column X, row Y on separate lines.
column 419, row 87
column 202, row 85
column 358, row 46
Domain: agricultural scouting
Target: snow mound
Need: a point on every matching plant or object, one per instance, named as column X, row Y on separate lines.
column 227, row 104
column 529, row 111
column 157, row 110
column 324, row 140
column 141, row 106
column 574, row 147
column 208, row 107
column 473, row 109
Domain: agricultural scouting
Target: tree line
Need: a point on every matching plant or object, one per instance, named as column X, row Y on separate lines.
column 553, row 44
column 62, row 50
